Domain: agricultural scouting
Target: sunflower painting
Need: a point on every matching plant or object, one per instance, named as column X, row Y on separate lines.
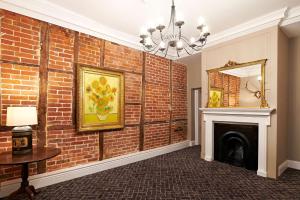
column 101, row 99
column 215, row 98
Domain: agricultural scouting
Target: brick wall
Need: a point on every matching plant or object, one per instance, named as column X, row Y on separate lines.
column 155, row 93
column 230, row 86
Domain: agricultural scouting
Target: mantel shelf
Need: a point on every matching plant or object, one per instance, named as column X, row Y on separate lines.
column 237, row 111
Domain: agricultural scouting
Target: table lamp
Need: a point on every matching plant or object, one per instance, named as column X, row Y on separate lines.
column 21, row 118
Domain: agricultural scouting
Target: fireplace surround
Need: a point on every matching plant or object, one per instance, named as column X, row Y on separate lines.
column 257, row 116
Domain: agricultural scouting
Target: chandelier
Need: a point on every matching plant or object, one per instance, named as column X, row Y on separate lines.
column 169, row 40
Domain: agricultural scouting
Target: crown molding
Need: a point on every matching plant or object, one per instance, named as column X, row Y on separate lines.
column 54, row 14
column 293, row 16
column 252, row 26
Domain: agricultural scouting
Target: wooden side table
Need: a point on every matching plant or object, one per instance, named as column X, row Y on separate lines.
column 37, row 154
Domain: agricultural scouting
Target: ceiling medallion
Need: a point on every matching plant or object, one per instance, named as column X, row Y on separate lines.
column 171, row 37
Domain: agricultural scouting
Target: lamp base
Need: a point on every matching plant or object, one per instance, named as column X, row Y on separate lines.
column 21, row 140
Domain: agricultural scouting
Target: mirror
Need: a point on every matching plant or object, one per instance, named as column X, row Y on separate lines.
column 237, row 85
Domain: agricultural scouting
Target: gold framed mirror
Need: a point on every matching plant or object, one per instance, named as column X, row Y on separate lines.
column 237, row 85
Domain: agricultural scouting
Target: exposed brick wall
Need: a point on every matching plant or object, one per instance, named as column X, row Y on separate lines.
column 89, row 50
column 230, row 86
column 122, row 58
column 19, row 86
column 60, row 87
column 156, row 135
column 20, row 42
column 77, row 148
column 61, row 49
column 157, row 89
column 121, row 142
column 179, row 129
column 20, row 55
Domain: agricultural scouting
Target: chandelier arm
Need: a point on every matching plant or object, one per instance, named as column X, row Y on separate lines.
column 197, row 47
column 177, row 53
column 161, row 36
column 187, row 51
column 180, row 33
column 152, row 39
column 202, row 44
column 167, row 49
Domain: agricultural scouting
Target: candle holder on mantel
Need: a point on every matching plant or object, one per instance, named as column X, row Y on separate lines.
column 21, row 118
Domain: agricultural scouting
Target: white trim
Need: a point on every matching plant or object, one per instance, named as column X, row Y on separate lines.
column 192, row 143
column 294, row 164
column 196, row 116
column 283, row 167
column 254, row 25
column 288, row 164
column 293, row 16
column 262, row 117
column 52, row 13
column 46, row 179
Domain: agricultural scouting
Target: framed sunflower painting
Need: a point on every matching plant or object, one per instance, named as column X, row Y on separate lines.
column 100, row 99
column 215, row 98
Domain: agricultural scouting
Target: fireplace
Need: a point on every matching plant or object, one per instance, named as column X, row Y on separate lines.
column 236, row 144
column 261, row 117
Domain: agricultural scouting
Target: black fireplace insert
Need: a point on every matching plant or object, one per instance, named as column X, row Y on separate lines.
column 236, row 144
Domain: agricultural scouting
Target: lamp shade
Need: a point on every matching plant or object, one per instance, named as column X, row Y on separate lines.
column 21, row 116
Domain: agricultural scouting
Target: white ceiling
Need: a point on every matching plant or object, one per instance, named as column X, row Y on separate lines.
column 120, row 21
column 130, row 15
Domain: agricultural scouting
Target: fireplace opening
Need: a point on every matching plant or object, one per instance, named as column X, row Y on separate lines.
column 236, row 144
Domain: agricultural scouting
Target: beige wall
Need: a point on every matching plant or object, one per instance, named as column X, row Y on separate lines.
column 193, row 64
column 294, row 100
column 259, row 45
column 282, row 98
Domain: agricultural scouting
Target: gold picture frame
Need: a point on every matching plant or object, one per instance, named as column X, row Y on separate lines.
column 215, row 98
column 100, row 99
column 235, row 65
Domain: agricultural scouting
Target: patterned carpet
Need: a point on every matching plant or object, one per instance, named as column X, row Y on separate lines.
column 179, row 175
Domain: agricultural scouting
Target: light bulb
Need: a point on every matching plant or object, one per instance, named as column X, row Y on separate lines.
column 201, row 21
column 151, row 24
column 160, row 21
column 148, row 41
column 259, row 78
column 143, row 31
column 205, row 29
column 179, row 45
column 192, row 40
column 162, row 45
column 179, row 17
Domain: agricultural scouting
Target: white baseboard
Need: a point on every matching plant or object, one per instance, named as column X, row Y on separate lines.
column 294, row 164
column 261, row 173
column 192, row 143
column 283, row 167
column 288, row 164
column 43, row 180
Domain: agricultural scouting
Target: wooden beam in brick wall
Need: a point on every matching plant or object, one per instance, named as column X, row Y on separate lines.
column 171, row 100
column 102, row 53
column 74, row 92
column 42, row 106
column 101, row 145
column 142, row 116
column 18, row 63
column 101, row 133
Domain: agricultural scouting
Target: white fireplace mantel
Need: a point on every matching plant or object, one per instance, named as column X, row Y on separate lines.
column 259, row 116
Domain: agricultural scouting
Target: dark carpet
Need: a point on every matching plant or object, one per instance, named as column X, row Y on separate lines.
column 179, row 175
